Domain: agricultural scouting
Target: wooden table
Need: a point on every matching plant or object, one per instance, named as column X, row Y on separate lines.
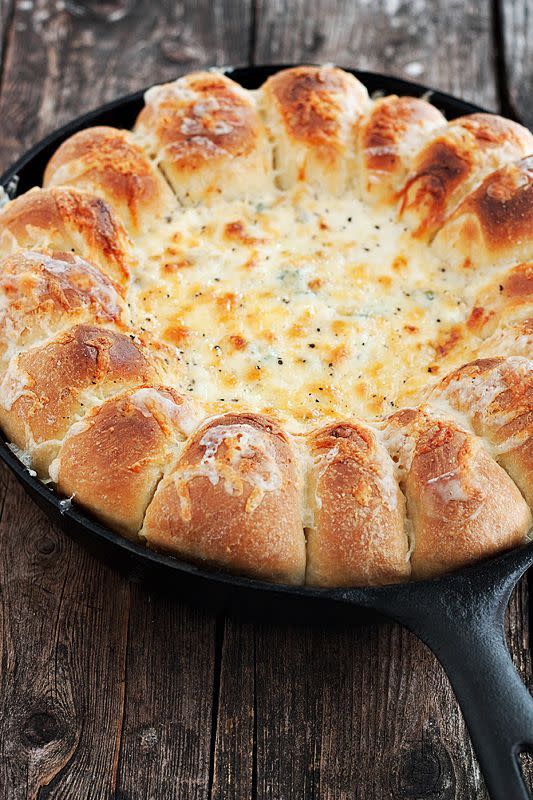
column 111, row 691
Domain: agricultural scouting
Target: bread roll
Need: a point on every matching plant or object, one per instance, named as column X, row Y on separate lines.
column 496, row 395
column 452, row 162
column 461, row 505
column 388, row 137
column 42, row 293
column 494, row 224
column 356, row 534
column 233, row 501
column 508, row 296
column 46, row 389
column 109, row 163
column 204, row 132
column 514, row 339
column 311, row 114
column 111, row 461
column 70, row 220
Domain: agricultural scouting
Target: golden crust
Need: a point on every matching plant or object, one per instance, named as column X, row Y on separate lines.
column 358, row 532
column 109, row 163
column 42, row 293
column 508, row 296
column 494, row 224
column 496, row 394
column 196, row 127
column 453, row 161
column 233, row 501
column 462, row 506
column 68, row 219
column 49, row 387
column 515, row 339
column 311, row 113
column 111, row 462
column 387, row 139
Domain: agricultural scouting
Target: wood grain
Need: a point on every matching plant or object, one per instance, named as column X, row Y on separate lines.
column 166, row 735
column 446, row 45
column 112, row 691
column 60, row 701
column 88, row 52
column 516, row 41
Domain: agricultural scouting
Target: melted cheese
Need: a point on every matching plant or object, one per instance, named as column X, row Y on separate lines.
column 304, row 306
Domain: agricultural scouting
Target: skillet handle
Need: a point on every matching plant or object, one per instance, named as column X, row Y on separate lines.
column 464, row 627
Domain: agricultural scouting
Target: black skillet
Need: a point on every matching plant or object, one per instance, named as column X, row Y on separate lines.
column 460, row 616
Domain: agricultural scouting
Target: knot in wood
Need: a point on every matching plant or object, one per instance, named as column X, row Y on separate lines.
column 40, row 729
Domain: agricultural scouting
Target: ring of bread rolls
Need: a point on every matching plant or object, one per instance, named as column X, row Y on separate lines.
column 94, row 405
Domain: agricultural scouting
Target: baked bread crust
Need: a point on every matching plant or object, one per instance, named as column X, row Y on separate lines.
column 451, row 163
column 388, row 138
column 357, row 532
column 44, row 292
column 90, row 402
column 311, row 113
column 61, row 218
column 195, row 127
column 111, row 164
column 233, row 500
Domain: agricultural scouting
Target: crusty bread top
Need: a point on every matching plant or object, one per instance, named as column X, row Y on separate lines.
column 68, row 219
column 357, row 532
column 195, row 127
column 493, row 224
column 453, row 161
column 311, row 114
column 110, row 163
column 44, row 292
column 388, row 137
column 48, row 388
column 112, row 460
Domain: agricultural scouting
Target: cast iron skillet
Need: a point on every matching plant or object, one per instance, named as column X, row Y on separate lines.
column 460, row 616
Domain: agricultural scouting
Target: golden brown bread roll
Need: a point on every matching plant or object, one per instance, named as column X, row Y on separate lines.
column 357, row 532
column 233, row 501
column 496, row 396
column 508, row 296
column 204, row 132
column 514, row 339
column 461, row 505
column 494, row 224
column 68, row 219
column 110, row 163
column 388, row 137
column 453, row 161
column 111, row 461
column 49, row 387
column 42, row 293
column 311, row 113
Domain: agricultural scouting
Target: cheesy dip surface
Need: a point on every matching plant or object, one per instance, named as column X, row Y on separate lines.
column 305, row 306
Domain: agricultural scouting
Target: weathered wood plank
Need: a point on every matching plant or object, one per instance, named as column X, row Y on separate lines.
column 360, row 712
column 166, row 737
column 65, row 58
column 516, row 39
column 63, row 649
column 234, row 762
column 446, row 45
